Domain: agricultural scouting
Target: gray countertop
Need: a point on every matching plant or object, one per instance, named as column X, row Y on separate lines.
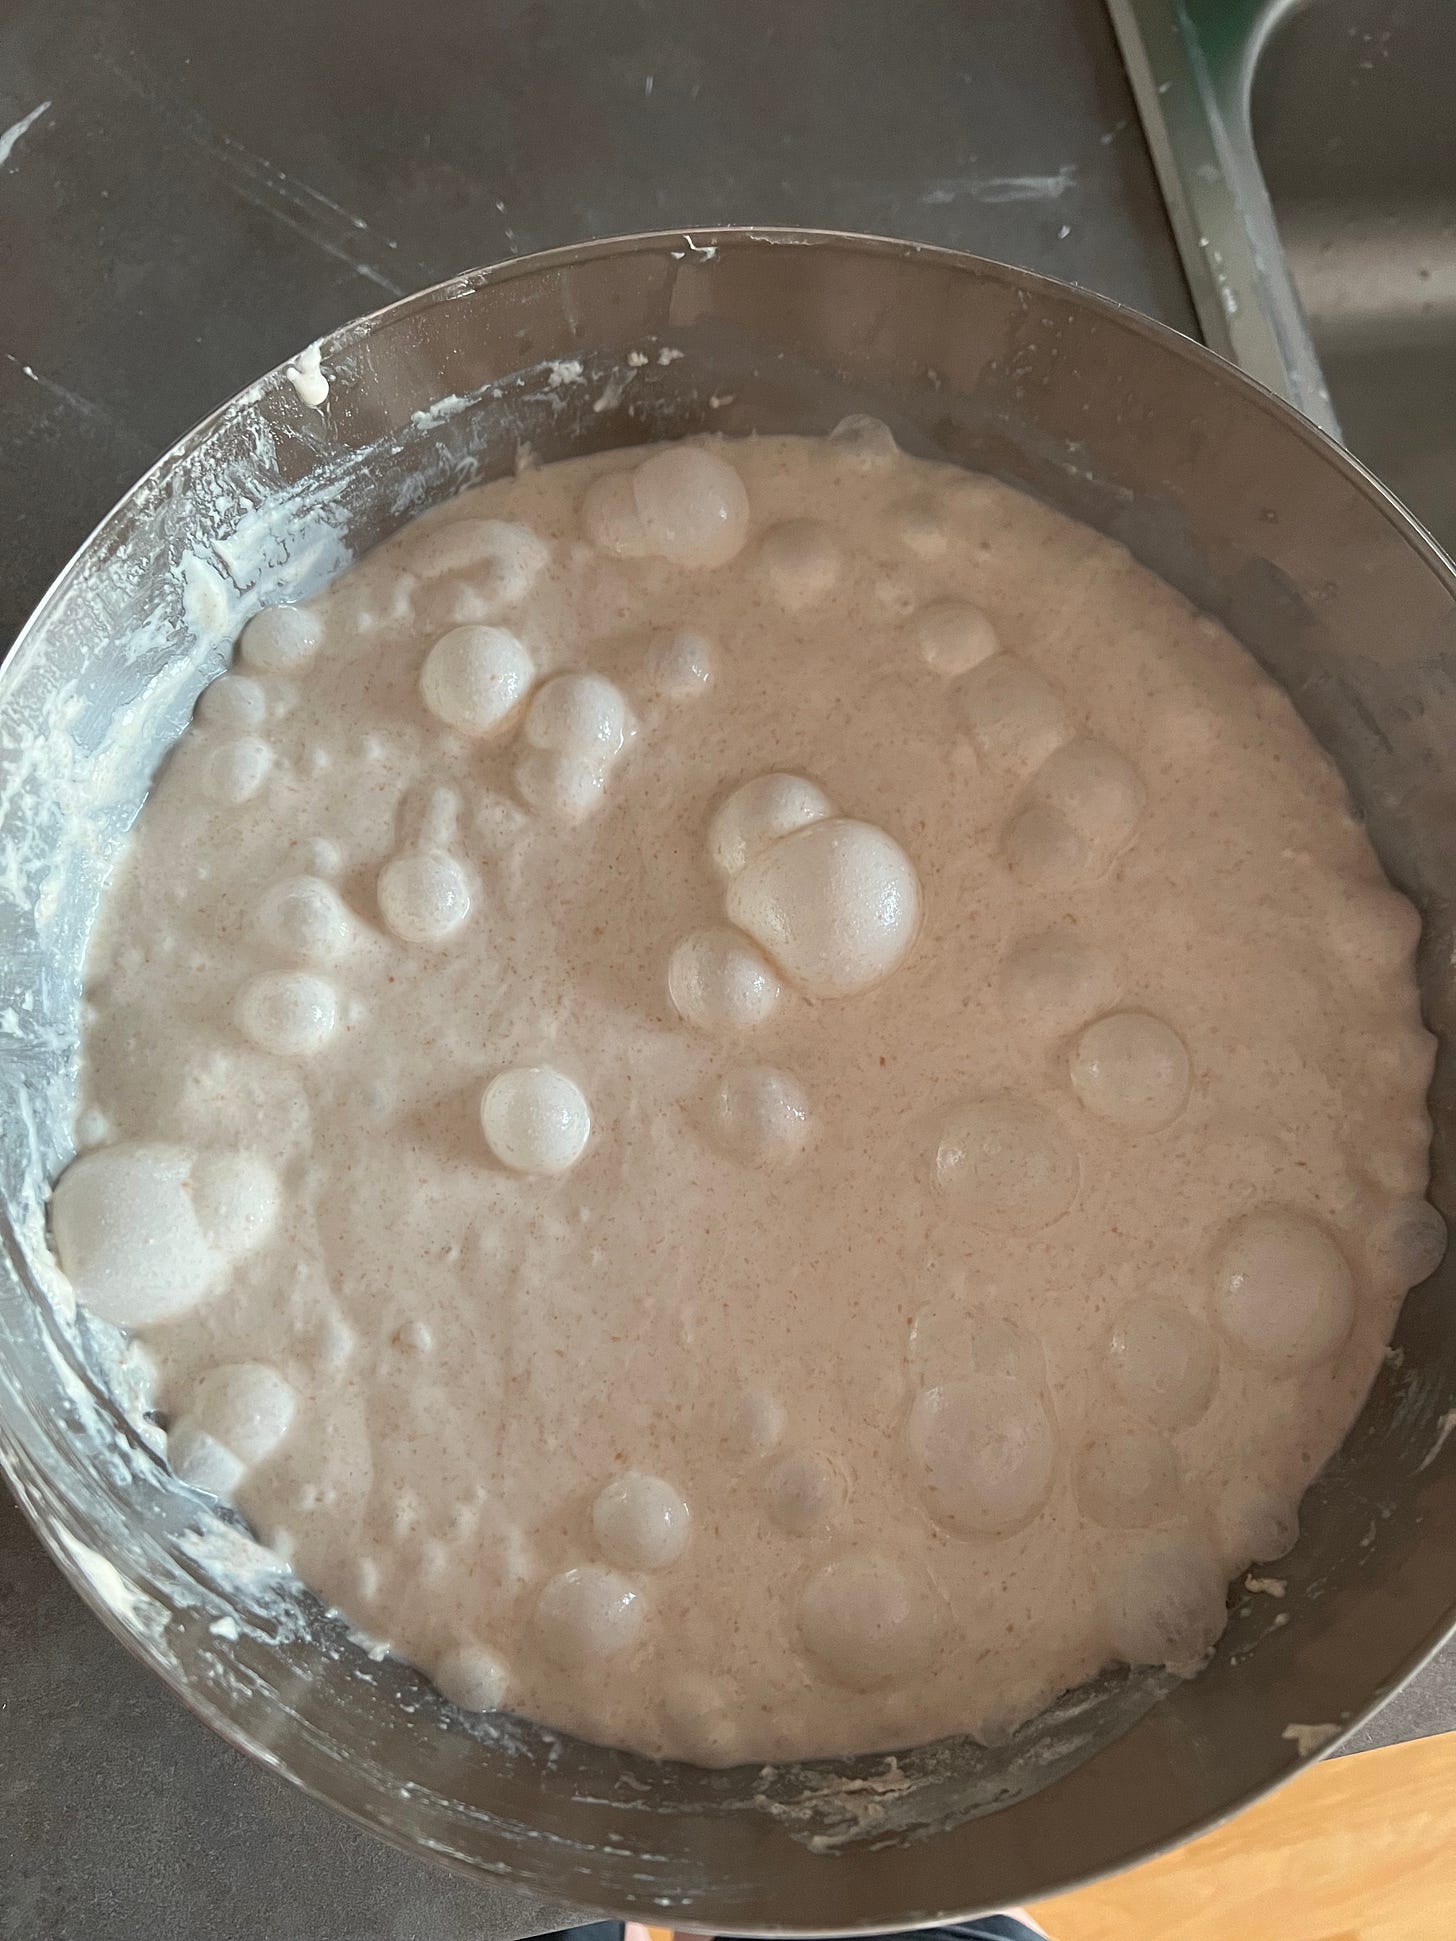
column 206, row 190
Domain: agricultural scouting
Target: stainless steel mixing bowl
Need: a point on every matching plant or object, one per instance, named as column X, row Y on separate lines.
column 1213, row 484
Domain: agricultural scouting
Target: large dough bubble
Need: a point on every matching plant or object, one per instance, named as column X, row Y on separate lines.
column 985, row 1453
column 128, row 1237
column 1283, row 1291
column 836, row 905
column 867, row 1623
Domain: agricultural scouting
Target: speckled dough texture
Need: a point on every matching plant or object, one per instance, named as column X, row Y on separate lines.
column 756, row 1099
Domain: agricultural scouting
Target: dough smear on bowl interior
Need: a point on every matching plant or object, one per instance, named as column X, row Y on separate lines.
column 756, row 1099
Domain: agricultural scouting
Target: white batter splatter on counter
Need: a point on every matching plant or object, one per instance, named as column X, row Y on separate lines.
column 756, row 1099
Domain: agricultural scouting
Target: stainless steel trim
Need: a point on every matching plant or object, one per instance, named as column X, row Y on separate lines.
column 1191, row 65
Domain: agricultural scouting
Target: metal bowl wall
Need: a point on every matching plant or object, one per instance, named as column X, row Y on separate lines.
column 1211, row 483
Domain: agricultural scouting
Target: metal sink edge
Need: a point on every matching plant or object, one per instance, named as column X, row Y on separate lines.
column 1191, row 65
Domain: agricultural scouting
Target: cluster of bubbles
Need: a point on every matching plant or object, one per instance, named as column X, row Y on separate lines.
column 233, row 756
column 146, row 1231
column 236, row 1415
column 575, row 731
column 1079, row 799
column 820, row 901
column 481, row 681
column 986, row 1447
column 864, row 1620
column 833, row 901
column 591, row 1613
column 683, row 504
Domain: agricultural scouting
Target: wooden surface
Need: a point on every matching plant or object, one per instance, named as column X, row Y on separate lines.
column 1359, row 1849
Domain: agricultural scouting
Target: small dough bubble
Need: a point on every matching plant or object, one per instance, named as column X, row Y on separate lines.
column 586, row 1616
column 896, row 595
column 1399, row 1170
column 201, row 1460
column 718, row 981
column 700, row 1713
column 985, row 1451
column 1095, row 792
column 953, row 637
column 1256, row 1525
column 233, row 703
column 1165, row 1605
column 323, row 857
column 610, row 518
column 582, row 717
column 1186, row 722
column 950, row 1334
column 761, row 1115
column 557, row 786
column 863, row 443
column 1132, row 1069
column 500, row 561
column 280, row 1540
column 805, row 1493
column 758, row 813
column 235, row 1195
column 288, row 1013
column 1097, row 788
column 1128, row 1478
column 424, row 897
column 1007, row 1165
column 280, row 640
column 920, row 529
column 1014, row 718
column 835, row 905
column 92, row 1128
column 1044, row 851
column 1409, row 1242
column 246, row 1406
column 680, row 666
column 472, row 1678
column 1052, row 983
column 640, row 1522
column 372, row 597
column 692, row 506
column 1283, row 1291
column 128, row 1237
column 1163, row 1362
column 303, row 917
column 535, row 1120
column 1374, row 931
column 867, row 1623
column 801, row 560
column 443, row 605
column 236, row 771
column 475, row 678
column 978, row 505
column 755, row 1426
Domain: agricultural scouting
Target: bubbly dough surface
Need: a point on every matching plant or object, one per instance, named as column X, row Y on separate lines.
column 757, row 1099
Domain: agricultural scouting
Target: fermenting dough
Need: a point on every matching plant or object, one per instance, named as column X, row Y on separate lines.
column 756, row 1099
